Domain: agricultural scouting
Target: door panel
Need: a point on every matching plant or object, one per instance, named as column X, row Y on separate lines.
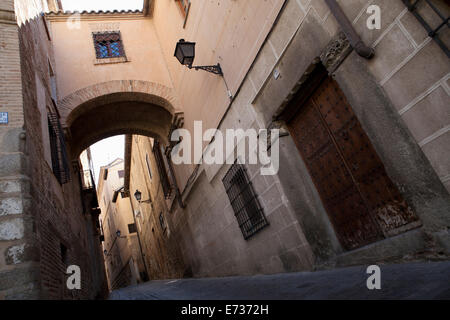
column 341, row 198
column 361, row 200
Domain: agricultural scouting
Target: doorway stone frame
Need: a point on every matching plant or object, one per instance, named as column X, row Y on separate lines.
column 404, row 161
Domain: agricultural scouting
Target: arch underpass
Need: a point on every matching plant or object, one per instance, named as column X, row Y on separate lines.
column 117, row 107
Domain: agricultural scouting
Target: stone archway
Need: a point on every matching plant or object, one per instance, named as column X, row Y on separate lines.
column 117, row 107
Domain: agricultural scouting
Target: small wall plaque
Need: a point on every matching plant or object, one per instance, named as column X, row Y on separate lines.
column 3, row 117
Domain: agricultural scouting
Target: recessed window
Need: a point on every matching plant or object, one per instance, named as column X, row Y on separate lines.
column 149, row 168
column 121, row 173
column 244, row 201
column 58, row 149
column 132, row 228
column 108, row 45
column 163, row 176
column 52, row 83
column 64, row 258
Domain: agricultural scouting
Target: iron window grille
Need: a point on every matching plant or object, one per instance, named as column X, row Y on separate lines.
column 108, row 45
column 245, row 203
column 58, row 149
column 434, row 26
column 164, row 178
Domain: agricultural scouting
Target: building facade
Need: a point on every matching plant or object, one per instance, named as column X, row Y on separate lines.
column 44, row 226
column 150, row 178
column 121, row 248
column 363, row 111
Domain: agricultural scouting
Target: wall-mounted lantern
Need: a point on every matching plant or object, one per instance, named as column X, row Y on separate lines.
column 185, row 53
column 119, row 234
column 138, row 196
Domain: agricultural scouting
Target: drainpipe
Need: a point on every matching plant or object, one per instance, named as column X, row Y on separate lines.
column 347, row 27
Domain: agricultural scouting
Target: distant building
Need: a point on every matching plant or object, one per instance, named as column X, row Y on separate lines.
column 121, row 248
column 149, row 180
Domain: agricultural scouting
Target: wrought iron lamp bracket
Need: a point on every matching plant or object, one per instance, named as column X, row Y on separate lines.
column 217, row 69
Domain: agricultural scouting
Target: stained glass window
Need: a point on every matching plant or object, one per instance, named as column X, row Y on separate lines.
column 103, row 50
column 115, row 49
column 108, row 45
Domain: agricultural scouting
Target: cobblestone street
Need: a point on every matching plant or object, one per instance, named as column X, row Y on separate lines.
column 402, row 281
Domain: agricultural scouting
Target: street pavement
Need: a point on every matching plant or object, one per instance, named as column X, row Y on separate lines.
column 429, row 280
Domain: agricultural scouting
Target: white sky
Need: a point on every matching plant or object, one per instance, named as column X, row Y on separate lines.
column 80, row 5
column 105, row 151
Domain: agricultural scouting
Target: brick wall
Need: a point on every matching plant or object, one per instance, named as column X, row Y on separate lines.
column 56, row 209
column 16, row 254
column 38, row 217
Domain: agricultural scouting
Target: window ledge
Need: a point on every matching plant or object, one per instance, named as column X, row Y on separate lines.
column 111, row 60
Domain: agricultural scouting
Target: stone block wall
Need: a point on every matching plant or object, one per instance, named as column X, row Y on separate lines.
column 409, row 70
column 408, row 65
column 414, row 71
column 300, row 236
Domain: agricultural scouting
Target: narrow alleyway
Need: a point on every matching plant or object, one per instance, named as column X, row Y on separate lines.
column 250, row 137
column 402, row 281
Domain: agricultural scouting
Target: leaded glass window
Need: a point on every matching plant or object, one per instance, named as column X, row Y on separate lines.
column 108, row 45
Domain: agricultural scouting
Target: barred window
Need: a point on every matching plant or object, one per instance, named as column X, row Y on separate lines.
column 163, row 176
column 60, row 164
column 108, row 45
column 434, row 17
column 244, row 201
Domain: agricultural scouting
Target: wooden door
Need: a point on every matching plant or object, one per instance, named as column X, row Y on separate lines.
column 363, row 204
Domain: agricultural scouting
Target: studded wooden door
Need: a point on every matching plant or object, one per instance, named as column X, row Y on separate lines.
column 362, row 202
